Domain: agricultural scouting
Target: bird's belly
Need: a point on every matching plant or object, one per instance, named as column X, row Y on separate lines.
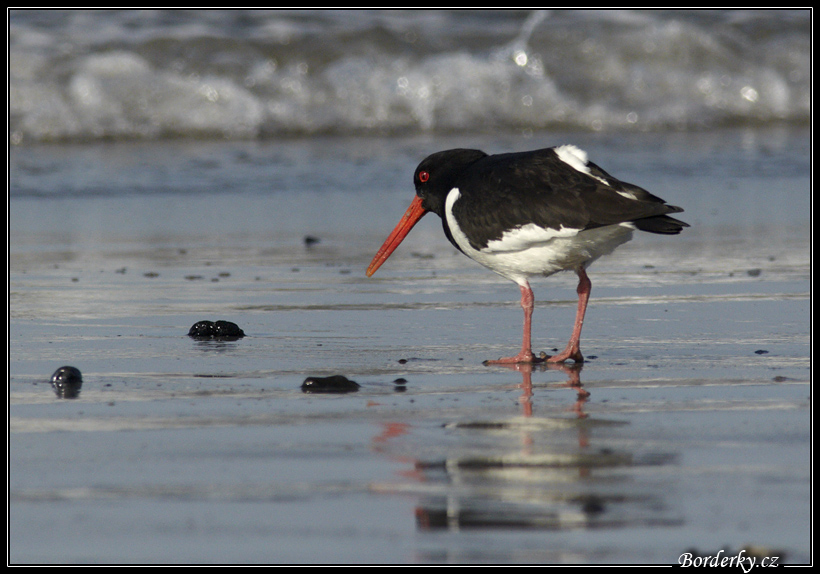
column 553, row 255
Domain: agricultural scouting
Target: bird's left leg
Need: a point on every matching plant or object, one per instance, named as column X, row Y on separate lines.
column 573, row 350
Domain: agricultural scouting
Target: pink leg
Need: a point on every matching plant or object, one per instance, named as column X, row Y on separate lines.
column 525, row 355
column 573, row 350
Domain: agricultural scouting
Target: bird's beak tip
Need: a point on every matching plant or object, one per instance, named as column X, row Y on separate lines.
column 413, row 214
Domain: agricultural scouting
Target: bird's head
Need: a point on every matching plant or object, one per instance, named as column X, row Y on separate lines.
column 434, row 178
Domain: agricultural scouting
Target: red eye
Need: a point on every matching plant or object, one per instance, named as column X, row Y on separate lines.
column 423, row 176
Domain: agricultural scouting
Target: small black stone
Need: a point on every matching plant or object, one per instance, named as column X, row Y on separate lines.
column 332, row 384
column 592, row 505
column 223, row 330
column 66, row 382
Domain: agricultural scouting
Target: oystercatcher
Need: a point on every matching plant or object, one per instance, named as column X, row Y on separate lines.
column 531, row 213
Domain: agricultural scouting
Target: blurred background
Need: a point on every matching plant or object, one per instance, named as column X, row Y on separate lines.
column 151, row 74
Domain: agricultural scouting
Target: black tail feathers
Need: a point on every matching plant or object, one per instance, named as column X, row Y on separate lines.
column 662, row 224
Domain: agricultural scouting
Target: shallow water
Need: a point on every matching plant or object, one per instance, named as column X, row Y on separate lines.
column 694, row 434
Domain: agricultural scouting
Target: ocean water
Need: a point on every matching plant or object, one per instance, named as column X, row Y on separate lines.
column 135, row 74
column 168, row 167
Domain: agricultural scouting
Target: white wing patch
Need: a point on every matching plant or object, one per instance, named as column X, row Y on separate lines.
column 577, row 159
column 527, row 236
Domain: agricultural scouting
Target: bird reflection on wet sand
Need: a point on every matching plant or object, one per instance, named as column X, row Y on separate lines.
column 547, row 471
column 573, row 372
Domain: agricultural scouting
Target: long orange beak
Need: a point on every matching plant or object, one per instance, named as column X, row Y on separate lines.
column 412, row 216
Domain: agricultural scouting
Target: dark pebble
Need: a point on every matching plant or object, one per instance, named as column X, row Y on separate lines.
column 332, row 384
column 592, row 505
column 66, row 382
column 223, row 330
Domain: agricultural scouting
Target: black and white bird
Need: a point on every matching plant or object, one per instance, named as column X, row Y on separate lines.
column 531, row 213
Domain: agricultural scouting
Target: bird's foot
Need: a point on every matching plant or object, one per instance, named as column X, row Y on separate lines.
column 522, row 357
column 571, row 352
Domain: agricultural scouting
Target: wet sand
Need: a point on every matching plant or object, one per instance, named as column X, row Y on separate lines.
column 688, row 429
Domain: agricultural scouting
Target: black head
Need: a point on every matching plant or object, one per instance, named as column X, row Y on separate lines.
column 438, row 173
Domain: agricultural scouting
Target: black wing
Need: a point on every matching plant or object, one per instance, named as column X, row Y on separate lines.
column 539, row 187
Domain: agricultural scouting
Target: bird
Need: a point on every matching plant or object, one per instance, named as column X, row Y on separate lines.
column 531, row 213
